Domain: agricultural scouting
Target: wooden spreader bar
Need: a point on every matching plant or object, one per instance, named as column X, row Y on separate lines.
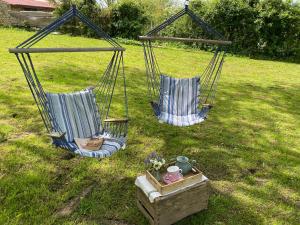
column 116, row 120
column 53, row 50
column 208, row 41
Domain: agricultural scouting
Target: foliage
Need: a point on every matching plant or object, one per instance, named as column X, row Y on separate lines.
column 267, row 27
column 155, row 10
column 155, row 161
column 127, row 20
column 278, row 28
column 235, row 20
column 87, row 7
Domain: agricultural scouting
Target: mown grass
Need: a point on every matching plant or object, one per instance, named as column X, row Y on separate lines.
column 249, row 147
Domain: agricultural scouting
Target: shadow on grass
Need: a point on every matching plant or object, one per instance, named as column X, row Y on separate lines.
column 240, row 141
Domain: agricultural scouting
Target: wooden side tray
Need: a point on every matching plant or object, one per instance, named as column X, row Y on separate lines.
column 189, row 179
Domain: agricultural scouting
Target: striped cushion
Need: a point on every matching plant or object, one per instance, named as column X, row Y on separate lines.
column 75, row 113
column 178, row 104
column 109, row 146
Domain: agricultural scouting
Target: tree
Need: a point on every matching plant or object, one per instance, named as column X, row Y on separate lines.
column 128, row 20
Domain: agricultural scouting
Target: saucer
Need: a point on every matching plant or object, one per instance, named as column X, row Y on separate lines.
column 167, row 180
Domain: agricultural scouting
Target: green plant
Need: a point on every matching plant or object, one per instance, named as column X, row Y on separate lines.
column 128, row 20
column 278, row 27
column 89, row 8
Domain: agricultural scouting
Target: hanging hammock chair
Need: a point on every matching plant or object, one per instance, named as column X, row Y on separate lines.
column 83, row 114
column 183, row 102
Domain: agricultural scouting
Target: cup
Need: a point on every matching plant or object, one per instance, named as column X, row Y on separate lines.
column 173, row 174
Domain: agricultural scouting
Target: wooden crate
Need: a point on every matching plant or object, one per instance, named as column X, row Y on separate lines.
column 189, row 179
column 171, row 208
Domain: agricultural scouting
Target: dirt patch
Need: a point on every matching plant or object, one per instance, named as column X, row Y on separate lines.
column 69, row 208
column 19, row 136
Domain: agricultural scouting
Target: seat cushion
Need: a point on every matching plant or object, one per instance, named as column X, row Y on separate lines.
column 76, row 114
column 179, row 102
column 109, row 146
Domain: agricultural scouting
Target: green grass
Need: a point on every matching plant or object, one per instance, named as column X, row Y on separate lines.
column 249, row 147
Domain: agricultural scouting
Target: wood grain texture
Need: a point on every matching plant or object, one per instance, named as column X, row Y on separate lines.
column 199, row 40
column 171, row 208
column 116, row 120
column 189, row 179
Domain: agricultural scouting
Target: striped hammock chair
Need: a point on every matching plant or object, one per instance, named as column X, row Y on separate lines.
column 82, row 114
column 183, row 102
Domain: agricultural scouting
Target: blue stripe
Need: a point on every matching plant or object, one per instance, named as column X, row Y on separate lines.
column 179, row 101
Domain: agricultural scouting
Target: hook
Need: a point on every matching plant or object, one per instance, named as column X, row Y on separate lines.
column 186, row 4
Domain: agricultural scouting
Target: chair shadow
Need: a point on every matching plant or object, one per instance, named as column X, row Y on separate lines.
column 220, row 145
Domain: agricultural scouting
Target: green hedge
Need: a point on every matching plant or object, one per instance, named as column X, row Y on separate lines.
column 265, row 27
column 125, row 20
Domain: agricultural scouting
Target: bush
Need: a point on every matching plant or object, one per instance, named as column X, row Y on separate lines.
column 235, row 20
column 278, row 27
column 268, row 27
column 127, row 20
column 90, row 8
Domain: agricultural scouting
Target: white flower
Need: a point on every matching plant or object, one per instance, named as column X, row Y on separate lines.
column 156, row 166
column 163, row 161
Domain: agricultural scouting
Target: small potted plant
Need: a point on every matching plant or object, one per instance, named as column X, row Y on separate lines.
column 155, row 163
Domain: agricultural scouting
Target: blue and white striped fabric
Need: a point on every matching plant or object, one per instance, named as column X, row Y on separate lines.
column 109, row 146
column 74, row 113
column 77, row 115
column 179, row 102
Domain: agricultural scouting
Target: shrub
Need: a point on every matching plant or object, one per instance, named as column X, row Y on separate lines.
column 127, row 20
column 89, row 8
column 235, row 20
column 278, row 27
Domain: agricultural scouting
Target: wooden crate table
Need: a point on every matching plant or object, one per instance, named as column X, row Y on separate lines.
column 170, row 208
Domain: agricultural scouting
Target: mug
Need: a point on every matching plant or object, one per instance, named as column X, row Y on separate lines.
column 173, row 174
column 183, row 163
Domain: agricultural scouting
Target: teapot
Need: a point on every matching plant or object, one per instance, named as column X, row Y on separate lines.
column 183, row 163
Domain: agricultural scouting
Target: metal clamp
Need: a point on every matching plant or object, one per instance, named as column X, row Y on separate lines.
column 186, row 4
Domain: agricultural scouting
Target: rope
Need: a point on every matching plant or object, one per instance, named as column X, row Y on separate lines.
column 209, row 78
column 105, row 86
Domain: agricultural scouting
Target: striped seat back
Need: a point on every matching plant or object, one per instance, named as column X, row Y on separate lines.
column 179, row 97
column 178, row 104
column 76, row 114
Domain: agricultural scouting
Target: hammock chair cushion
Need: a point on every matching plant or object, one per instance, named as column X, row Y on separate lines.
column 179, row 101
column 75, row 114
column 109, row 146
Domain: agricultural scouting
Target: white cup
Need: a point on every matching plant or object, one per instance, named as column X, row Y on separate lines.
column 174, row 173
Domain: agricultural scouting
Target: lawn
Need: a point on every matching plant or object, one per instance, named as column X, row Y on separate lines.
column 249, row 147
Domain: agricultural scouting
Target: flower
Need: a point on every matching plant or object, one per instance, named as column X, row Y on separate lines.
column 155, row 161
column 156, row 166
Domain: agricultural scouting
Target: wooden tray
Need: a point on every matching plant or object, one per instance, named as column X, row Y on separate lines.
column 188, row 179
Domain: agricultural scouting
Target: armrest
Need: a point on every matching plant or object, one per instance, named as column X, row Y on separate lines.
column 116, row 120
column 57, row 135
column 207, row 106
